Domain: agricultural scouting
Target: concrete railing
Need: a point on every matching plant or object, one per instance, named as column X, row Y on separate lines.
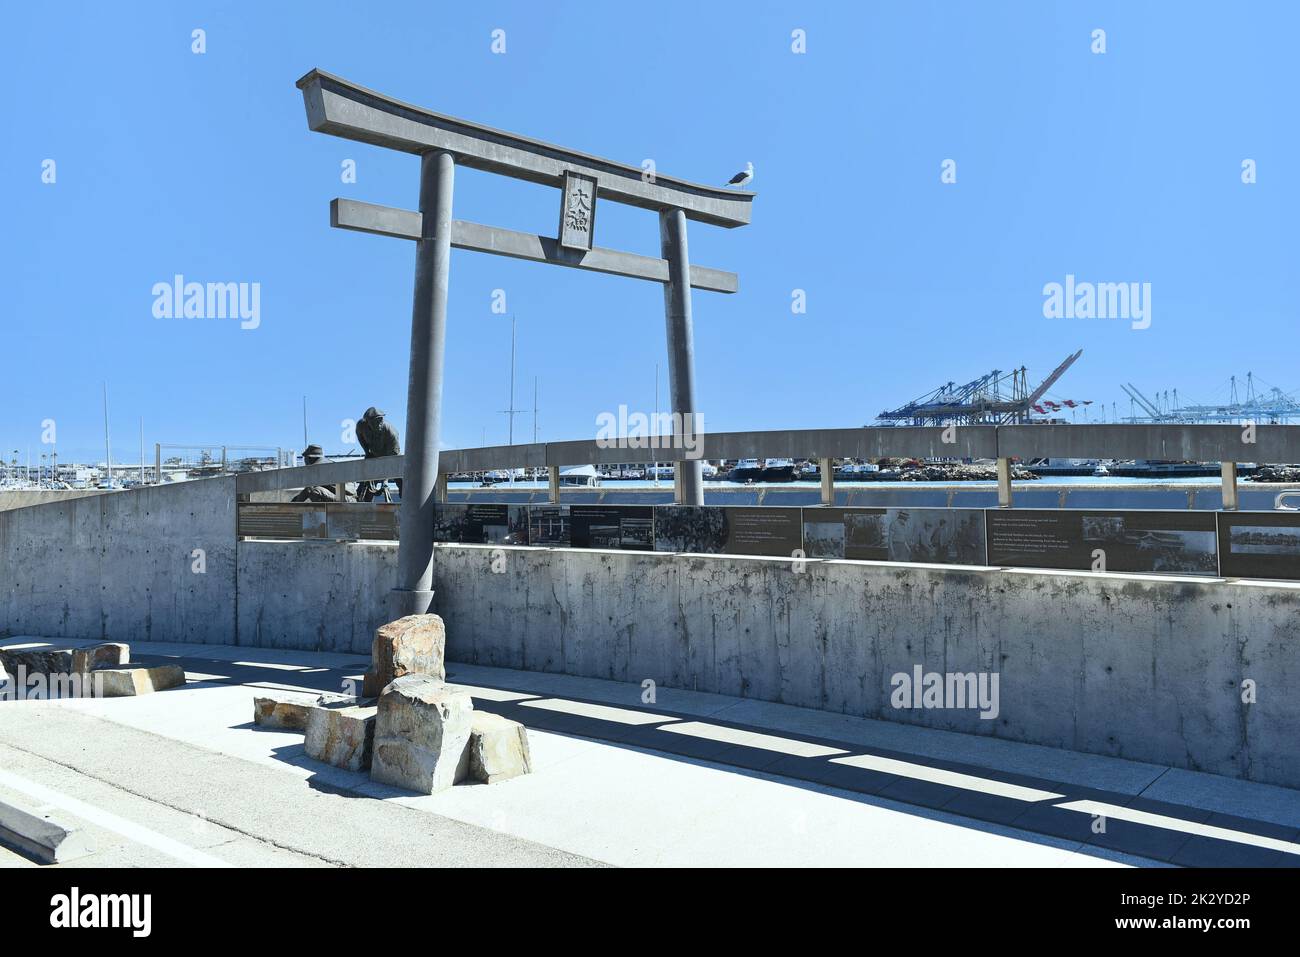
column 1227, row 444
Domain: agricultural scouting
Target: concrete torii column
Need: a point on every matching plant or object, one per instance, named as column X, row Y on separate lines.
column 414, row 592
column 681, row 351
column 341, row 108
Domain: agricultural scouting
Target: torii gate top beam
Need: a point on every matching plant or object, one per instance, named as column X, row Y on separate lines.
column 342, row 108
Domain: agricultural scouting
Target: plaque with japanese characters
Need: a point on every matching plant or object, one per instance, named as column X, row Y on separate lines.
column 578, row 211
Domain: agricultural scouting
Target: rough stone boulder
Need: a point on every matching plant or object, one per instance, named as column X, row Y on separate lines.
column 497, row 750
column 132, row 680
column 421, row 733
column 37, row 661
column 107, row 655
column 65, row 661
column 287, row 712
column 342, row 735
column 414, row 645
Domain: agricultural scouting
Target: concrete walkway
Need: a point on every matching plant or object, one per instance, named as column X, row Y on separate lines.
column 683, row 779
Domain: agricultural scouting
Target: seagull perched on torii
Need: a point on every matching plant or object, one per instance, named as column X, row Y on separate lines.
column 743, row 177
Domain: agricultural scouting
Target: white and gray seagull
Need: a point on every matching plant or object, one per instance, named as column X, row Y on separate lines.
column 743, row 177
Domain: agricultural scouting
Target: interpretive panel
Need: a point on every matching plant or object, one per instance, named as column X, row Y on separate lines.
column 730, row 530
column 488, row 524
column 1178, row 543
column 612, row 526
column 951, row 536
column 1259, row 544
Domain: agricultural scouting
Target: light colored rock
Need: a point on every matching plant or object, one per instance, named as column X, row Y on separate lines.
column 421, row 733
column 414, row 645
column 287, row 712
column 341, row 735
column 497, row 750
column 110, row 654
column 134, row 680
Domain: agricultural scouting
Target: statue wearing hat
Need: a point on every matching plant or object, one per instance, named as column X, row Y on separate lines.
column 315, row 455
column 378, row 438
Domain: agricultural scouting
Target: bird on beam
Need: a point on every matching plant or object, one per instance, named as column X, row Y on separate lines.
column 743, row 177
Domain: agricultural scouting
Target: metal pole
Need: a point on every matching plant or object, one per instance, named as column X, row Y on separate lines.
column 681, row 348
column 108, row 444
column 157, row 462
column 414, row 592
column 655, row 467
column 553, row 481
column 511, row 414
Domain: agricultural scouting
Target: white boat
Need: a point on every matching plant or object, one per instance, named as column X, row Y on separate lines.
column 581, row 476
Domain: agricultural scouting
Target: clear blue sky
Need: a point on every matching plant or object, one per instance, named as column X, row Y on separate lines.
column 1117, row 167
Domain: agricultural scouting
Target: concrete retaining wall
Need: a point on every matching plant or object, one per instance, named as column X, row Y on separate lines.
column 1138, row 667
column 1149, row 668
column 121, row 566
column 318, row 596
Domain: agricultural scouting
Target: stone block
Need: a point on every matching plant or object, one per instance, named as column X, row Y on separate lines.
column 286, row 712
column 134, row 680
column 33, row 661
column 497, row 750
column 342, row 735
column 107, row 655
column 414, row 645
column 421, row 734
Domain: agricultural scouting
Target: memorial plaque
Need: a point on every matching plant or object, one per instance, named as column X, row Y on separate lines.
column 1259, row 544
column 270, row 521
column 549, row 525
column 728, row 530
column 1173, row 542
column 362, row 521
column 612, row 526
column 578, row 211
column 942, row 536
column 486, row 524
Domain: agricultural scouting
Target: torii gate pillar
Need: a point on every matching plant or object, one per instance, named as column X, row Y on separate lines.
column 414, row 592
column 681, row 351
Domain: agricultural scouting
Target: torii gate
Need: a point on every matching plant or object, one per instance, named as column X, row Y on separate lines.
column 344, row 109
